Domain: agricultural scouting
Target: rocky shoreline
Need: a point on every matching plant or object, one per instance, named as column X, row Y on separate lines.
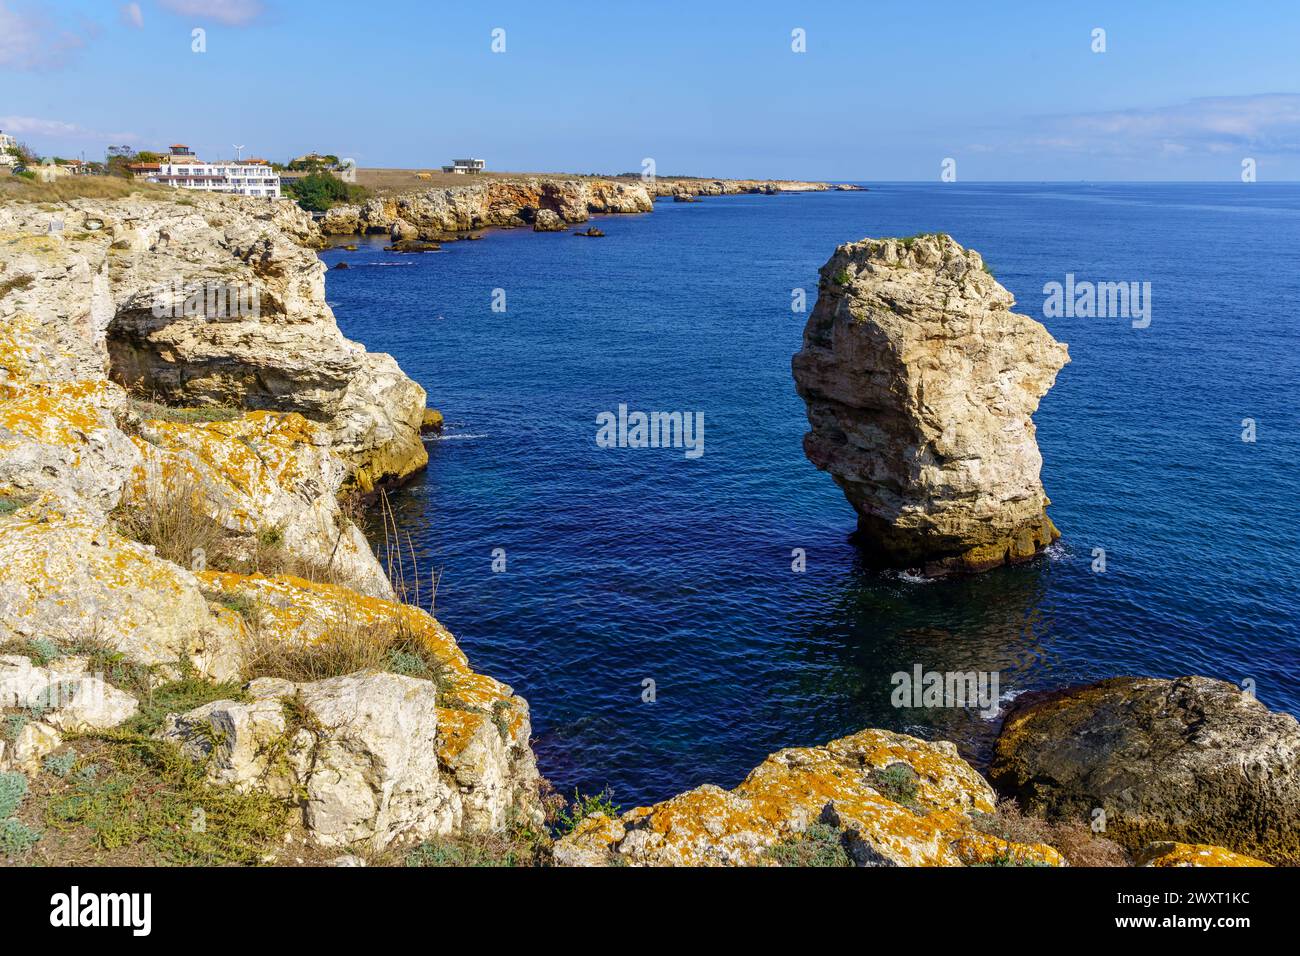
column 187, row 597
column 544, row 204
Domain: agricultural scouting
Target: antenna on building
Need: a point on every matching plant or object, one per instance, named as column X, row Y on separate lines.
column 239, row 153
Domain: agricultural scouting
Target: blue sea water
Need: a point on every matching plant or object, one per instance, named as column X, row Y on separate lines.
column 628, row 564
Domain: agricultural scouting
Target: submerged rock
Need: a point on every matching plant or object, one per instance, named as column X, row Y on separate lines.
column 894, row 800
column 1191, row 760
column 920, row 382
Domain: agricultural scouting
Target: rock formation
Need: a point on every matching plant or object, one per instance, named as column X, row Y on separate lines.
column 894, row 800
column 201, row 301
column 1190, row 760
column 434, row 214
column 920, row 382
column 545, row 203
column 250, row 427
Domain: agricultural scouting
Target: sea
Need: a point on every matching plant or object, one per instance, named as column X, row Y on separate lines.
column 673, row 618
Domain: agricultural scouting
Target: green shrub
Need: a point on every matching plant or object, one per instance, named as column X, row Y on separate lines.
column 60, row 764
column 13, row 787
column 16, row 837
column 819, row 845
column 897, row 782
column 584, row 806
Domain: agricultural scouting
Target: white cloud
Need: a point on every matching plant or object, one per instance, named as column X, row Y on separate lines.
column 131, row 14
column 43, row 129
column 230, row 12
column 1264, row 122
column 29, row 40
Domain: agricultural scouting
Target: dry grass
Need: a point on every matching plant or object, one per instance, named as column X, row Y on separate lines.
column 1075, row 840
column 348, row 647
column 17, row 189
column 172, row 519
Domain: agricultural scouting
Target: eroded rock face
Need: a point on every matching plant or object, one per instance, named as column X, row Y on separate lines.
column 262, row 473
column 433, row 214
column 1191, row 760
column 258, row 333
column 899, row 801
column 920, row 384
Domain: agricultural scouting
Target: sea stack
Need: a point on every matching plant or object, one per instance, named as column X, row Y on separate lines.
column 920, row 384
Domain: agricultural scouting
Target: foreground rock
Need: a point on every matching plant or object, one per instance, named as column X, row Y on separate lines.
column 484, row 728
column 1169, row 854
column 64, row 699
column 920, row 383
column 896, row 800
column 1190, row 760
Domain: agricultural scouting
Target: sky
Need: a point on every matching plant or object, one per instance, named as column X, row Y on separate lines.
column 1181, row 90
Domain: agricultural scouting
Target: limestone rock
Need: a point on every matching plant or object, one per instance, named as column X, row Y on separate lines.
column 70, row 576
column 1168, row 854
column 215, row 301
column 260, row 473
column 920, row 382
column 547, row 220
column 483, row 726
column 361, row 750
column 67, row 700
column 1191, row 760
column 897, row 800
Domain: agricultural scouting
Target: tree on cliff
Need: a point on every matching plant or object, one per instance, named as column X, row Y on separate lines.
column 319, row 191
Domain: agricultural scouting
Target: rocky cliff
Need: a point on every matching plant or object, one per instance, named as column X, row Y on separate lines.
column 179, row 419
column 920, row 384
column 546, row 204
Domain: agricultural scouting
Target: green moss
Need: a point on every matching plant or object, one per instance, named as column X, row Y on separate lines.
column 13, row 787
column 157, row 412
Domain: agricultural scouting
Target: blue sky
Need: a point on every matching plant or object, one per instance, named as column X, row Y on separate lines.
column 884, row 91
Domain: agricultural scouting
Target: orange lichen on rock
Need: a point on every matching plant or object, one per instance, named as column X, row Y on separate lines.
column 1169, row 853
column 896, row 800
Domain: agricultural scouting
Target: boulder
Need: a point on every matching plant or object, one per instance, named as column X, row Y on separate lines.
column 484, row 727
column 65, row 698
column 920, row 382
column 1191, row 760
column 547, row 220
column 360, row 751
column 895, row 801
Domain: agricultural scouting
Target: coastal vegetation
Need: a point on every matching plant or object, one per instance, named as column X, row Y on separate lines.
column 320, row 191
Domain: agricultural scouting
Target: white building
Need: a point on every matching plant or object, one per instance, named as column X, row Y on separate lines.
column 246, row 177
column 464, row 166
column 8, row 147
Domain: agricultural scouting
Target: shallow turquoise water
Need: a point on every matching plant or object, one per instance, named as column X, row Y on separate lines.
column 628, row 564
